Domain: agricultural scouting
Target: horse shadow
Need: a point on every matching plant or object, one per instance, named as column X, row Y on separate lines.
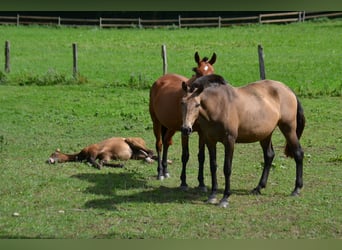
column 114, row 186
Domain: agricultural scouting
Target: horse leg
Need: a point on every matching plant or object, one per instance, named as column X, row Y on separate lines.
column 167, row 141
column 268, row 151
column 201, row 158
column 298, row 154
column 94, row 163
column 185, row 159
column 213, row 167
column 157, row 130
column 227, row 169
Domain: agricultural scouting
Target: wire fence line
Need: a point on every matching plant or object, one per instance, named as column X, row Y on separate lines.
column 180, row 22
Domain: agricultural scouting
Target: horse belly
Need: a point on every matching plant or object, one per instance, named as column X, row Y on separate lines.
column 253, row 132
column 115, row 149
column 167, row 109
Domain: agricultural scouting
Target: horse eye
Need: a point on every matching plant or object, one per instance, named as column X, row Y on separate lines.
column 197, row 105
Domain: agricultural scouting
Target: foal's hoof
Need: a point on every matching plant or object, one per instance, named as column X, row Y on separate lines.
column 167, row 175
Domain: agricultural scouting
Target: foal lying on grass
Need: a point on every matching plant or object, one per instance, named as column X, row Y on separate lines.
column 115, row 148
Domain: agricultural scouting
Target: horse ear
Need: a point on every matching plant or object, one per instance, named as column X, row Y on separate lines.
column 197, row 57
column 213, row 59
column 58, row 150
column 184, row 87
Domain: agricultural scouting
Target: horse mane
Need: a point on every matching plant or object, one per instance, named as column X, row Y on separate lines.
column 205, row 59
column 203, row 82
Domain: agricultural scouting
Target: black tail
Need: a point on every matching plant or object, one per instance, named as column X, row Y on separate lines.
column 299, row 129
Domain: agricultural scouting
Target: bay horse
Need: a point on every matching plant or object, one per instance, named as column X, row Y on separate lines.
column 165, row 111
column 244, row 114
column 116, row 148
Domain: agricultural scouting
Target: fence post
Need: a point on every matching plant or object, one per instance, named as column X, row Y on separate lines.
column 18, row 20
column 164, row 56
column 219, row 21
column 303, row 16
column 179, row 22
column 261, row 62
column 75, row 66
column 7, row 57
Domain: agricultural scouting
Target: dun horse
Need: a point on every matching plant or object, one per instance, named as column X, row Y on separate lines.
column 115, row 148
column 165, row 110
column 245, row 114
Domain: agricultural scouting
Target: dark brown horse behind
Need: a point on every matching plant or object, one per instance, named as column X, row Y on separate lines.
column 165, row 110
column 242, row 115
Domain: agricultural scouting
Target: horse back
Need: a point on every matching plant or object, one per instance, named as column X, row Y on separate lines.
column 268, row 92
column 259, row 107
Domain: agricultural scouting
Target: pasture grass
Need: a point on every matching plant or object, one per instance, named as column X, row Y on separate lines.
column 306, row 56
column 74, row 200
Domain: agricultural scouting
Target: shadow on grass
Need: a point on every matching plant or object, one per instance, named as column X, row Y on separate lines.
column 128, row 187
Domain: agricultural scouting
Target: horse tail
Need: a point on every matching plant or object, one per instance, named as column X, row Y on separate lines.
column 299, row 129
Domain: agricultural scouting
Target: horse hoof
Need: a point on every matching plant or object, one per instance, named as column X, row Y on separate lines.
column 256, row 191
column 202, row 189
column 149, row 160
column 212, row 200
column 184, row 187
column 167, row 175
column 223, row 204
column 295, row 194
column 160, row 177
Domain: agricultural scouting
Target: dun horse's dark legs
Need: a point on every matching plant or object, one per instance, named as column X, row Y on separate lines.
column 213, row 168
column 298, row 156
column 185, row 159
column 201, row 158
column 268, row 158
column 227, row 169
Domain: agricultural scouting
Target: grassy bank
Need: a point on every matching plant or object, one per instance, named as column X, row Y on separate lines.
column 306, row 56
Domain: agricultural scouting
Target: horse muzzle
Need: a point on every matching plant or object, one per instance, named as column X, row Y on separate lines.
column 51, row 161
column 186, row 130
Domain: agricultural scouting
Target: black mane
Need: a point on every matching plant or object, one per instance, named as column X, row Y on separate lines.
column 207, row 81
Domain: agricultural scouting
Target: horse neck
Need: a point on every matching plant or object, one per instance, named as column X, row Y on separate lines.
column 67, row 157
column 191, row 80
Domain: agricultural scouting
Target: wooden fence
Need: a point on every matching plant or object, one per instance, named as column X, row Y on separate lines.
column 180, row 22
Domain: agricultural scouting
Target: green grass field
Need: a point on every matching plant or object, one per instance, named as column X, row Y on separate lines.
column 74, row 200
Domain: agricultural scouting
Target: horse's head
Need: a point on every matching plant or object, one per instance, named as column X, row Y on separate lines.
column 55, row 157
column 204, row 65
column 190, row 107
column 193, row 102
